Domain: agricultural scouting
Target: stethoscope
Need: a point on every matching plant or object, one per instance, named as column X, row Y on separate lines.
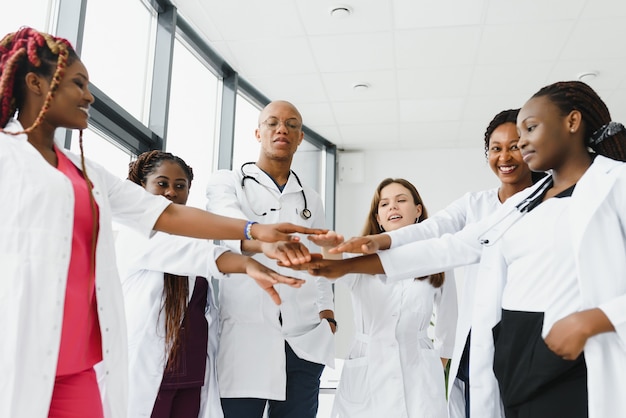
column 516, row 213
column 304, row 213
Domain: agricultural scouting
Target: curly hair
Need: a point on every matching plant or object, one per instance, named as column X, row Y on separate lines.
column 506, row 116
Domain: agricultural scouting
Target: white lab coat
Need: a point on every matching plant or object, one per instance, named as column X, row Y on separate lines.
column 470, row 208
column 598, row 230
column 141, row 263
column 392, row 368
column 251, row 356
column 36, row 222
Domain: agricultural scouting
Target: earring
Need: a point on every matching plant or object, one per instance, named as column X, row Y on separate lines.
column 381, row 228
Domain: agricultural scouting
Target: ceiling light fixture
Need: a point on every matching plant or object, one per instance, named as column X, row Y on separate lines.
column 361, row 87
column 587, row 76
column 340, row 12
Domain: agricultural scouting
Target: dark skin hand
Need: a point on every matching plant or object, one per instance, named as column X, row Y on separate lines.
column 332, row 269
column 568, row 335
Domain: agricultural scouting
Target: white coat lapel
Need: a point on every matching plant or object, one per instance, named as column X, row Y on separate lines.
column 589, row 193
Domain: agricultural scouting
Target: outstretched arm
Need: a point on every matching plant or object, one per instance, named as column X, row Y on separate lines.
column 197, row 223
column 368, row 244
column 332, row 269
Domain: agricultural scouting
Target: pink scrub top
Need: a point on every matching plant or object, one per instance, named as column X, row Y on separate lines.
column 81, row 342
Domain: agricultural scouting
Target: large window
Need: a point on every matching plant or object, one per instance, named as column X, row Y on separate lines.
column 33, row 13
column 192, row 126
column 103, row 151
column 118, row 50
column 156, row 92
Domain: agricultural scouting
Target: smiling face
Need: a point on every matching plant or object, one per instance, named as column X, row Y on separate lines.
column 396, row 207
column 168, row 180
column 70, row 106
column 279, row 132
column 504, row 155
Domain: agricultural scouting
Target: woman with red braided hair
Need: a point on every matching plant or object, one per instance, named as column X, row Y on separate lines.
column 61, row 304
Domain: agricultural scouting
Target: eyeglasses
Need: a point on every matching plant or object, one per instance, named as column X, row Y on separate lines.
column 273, row 123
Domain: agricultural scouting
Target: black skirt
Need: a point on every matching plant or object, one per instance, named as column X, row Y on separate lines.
column 534, row 381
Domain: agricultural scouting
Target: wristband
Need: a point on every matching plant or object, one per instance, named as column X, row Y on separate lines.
column 247, row 230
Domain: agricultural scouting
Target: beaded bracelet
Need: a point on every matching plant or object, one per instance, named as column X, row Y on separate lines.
column 248, row 230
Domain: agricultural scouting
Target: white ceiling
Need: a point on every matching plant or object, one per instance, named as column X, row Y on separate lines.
column 438, row 70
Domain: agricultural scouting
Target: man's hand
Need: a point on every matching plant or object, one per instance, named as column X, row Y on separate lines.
column 287, row 252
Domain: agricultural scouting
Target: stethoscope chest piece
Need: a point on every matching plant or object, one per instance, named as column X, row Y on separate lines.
column 305, row 214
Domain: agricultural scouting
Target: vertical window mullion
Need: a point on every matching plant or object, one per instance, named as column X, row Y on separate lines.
column 162, row 72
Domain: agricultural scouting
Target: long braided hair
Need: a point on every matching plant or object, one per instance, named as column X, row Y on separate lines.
column 599, row 132
column 371, row 224
column 29, row 51
column 175, row 288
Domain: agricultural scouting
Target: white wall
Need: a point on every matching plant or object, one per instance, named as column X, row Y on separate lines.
column 440, row 176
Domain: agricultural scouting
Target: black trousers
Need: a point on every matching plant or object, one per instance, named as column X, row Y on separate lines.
column 535, row 382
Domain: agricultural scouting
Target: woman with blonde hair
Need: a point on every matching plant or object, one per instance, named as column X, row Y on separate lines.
column 393, row 368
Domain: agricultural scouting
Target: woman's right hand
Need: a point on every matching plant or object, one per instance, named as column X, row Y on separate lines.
column 266, row 278
column 281, row 232
column 319, row 266
column 333, row 269
column 368, row 244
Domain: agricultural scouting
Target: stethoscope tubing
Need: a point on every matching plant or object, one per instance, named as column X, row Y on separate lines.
column 304, row 213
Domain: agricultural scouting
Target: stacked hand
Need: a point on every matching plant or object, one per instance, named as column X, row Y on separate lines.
column 281, row 232
column 266, row 278
column 368, row 244
column 320, row 266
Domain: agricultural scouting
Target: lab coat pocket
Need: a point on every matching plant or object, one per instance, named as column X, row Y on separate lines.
column 430, row 365
column 354, row 385
column 316, row 345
